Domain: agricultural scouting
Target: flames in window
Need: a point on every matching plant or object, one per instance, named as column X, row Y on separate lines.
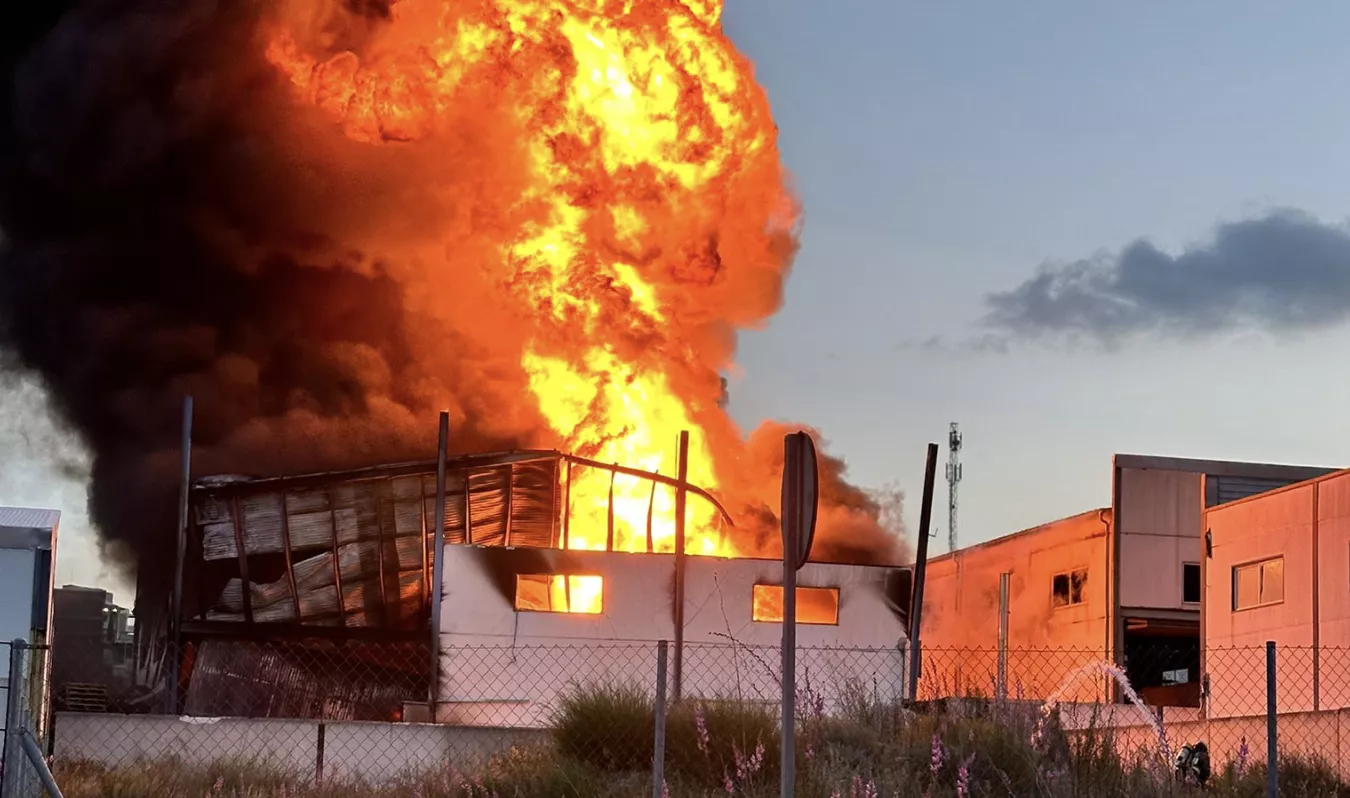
column 560, row 593
column 815, row 605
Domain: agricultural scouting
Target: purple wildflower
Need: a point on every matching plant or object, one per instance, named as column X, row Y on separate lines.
column 863, row 789
column 1243, row 752
column 810, row 752
column 939, row 754
column 809, row 702
column 747, row 766
column 702, row 725
column 728, row 785
column 963, row 778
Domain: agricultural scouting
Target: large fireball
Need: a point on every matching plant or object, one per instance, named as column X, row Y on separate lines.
column 655, row 201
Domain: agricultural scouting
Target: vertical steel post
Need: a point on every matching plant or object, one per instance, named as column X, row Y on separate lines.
column 788, row 751
column 1002, row 686
column 184, row 486
column 609, row 513
column 30, row 747
column 15, row 689
column 682, row 476
column 438, row 559
column 920, row 568
column 659, row 741
column 1272, row 736
column 567, row 506
column 180, row 557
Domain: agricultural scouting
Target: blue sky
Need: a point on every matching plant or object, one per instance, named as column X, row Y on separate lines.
column 944, row 151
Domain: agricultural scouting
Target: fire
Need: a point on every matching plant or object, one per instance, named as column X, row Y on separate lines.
column 654, row 193
column 815, row 605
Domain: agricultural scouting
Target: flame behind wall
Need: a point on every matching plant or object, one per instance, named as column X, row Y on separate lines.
column 327, row 220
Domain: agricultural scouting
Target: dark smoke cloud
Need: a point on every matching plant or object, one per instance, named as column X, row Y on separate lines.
column 853, row 525
column 171, row 226
column 1285, row 272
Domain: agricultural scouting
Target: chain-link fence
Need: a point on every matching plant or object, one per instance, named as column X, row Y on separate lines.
column 616, row 719
column 24, row 768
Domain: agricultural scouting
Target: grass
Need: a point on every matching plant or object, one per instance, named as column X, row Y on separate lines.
column 602, row 747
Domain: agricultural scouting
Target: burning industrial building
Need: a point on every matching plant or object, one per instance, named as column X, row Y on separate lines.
column 279, row 571
column 326, row 221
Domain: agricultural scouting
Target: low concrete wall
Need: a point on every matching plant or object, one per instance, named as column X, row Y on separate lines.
column 380, row 752
column 374, row 752
column 1321, row 735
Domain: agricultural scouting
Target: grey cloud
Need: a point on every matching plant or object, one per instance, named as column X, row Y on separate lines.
column 983, row 344
column 1285, row 272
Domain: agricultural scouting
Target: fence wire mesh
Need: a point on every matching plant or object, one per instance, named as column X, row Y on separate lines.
column 27, row 720
column 365, row 719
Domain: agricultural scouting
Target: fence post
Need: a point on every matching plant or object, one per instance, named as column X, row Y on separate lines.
column 28, row 743
column 12, row 767
column 1001, row 687
column 659, row 749
column 1272, row 737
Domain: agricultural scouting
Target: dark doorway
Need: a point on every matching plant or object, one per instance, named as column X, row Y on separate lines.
column 1162, row 662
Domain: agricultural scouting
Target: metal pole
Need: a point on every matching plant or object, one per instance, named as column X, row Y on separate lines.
column 180, row 559
column 920, row 567
column 1272, row 738
column 184, row 487
column 659, row 749
column 681, row 476
column 30, row 747
column 1002, row 691
column 438, row 559
column 788, row 751
column 12, row 771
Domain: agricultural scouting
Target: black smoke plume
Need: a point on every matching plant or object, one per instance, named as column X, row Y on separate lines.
column 170, row 228
column 1282, row 273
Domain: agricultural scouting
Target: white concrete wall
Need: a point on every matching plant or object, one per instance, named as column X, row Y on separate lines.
column 502, row 667
column 375, row 752
column 16, row 609
column 16, row 595
column 123, row 739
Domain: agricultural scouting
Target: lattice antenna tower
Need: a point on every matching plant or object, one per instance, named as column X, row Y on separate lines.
column 953, row 477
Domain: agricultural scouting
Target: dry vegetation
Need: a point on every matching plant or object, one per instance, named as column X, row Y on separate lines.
column 602, row 748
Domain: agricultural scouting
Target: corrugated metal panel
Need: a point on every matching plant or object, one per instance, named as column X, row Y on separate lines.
column 357, row 545
column 29, row 518
column 1221, row 490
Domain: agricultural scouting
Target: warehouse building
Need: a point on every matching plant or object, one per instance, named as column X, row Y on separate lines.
column 1121, row 583
column 318, row 596
column 1277, row 568
column 27, row 551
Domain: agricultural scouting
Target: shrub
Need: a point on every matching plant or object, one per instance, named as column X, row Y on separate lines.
column 711, row 742
column 609, row 727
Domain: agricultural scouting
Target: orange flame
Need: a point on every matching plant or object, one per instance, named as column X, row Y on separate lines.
column 654, row 193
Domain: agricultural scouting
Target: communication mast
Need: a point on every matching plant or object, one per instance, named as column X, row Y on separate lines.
column 953, row 477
